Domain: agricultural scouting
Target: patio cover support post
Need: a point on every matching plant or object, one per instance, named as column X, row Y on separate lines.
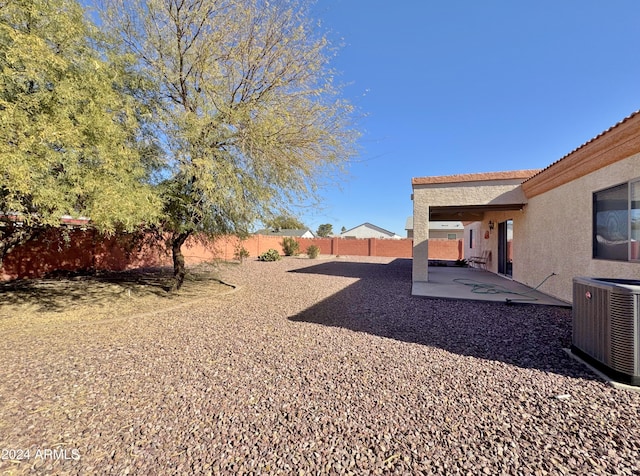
column 420, row 240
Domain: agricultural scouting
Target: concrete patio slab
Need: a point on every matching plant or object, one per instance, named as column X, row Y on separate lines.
column 452, row 282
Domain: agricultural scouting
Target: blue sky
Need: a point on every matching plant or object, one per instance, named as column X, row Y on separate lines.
column 460, row 86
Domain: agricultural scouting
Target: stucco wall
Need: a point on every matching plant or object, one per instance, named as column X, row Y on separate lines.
column 554, row 233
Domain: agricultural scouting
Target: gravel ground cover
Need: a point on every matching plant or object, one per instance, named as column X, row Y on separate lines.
column 311, row 367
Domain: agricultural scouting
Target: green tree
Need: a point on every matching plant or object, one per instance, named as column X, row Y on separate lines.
column 249, row 118
column 324, row 230
column 285, row 222
column 343, row 229
column 68, row 127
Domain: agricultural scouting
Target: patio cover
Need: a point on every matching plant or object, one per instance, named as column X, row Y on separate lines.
column 465, row 197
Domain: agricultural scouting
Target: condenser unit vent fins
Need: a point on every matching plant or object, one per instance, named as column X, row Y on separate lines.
column 623, row 339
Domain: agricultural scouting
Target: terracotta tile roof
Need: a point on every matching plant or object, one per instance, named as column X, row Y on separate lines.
column 477, row 177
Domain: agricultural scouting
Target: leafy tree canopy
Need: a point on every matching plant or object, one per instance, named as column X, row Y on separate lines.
column 68, row 130
column 285, row 222
column 247, row 113
column 324, row 230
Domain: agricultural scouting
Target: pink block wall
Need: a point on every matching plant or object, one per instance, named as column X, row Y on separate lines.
column 85, row 250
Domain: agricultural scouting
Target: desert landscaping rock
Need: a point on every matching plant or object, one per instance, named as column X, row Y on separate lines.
column 312, row 367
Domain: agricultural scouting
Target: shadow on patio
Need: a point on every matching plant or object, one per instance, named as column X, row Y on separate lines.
column 472, row 283
column 380, row 303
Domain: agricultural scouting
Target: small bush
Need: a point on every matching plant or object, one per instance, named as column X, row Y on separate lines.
column 241, row 253
column 269, row 255
column 461, row 262
column 290, row 246
column 313, row 251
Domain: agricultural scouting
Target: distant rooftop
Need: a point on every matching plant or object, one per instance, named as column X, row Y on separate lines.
column 437, row 225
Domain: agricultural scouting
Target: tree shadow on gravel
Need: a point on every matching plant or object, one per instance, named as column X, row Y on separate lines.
column 380, row 303
column 62, row 290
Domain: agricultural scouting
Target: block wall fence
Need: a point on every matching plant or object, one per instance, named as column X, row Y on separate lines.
column 86, row 250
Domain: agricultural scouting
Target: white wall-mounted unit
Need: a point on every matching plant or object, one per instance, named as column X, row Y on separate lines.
column 606, row 326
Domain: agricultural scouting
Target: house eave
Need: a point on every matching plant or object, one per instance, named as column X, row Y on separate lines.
column 517, row 175
column 469, row 213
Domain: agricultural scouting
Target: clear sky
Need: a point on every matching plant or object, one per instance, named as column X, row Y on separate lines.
column 460, row 86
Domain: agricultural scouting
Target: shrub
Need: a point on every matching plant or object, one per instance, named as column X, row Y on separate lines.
column 241, row 253
column 269, row 255
column 313, row 251
column 290, row 246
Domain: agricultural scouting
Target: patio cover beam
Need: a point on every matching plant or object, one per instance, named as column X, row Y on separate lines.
column 468, row 212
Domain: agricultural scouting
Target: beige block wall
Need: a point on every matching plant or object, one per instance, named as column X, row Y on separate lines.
column 554, row 234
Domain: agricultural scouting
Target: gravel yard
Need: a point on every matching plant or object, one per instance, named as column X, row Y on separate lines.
column 322, row 366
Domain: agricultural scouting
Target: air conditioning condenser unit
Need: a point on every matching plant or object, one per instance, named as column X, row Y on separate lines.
column 606, row 326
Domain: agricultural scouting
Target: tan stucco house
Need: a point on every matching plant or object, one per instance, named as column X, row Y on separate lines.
column 580, row 216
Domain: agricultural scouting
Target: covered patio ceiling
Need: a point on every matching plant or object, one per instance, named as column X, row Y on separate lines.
column 469, row 212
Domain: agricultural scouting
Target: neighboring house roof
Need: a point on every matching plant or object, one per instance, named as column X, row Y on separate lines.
column 446, row 225
column 437, row 225
column 68, row 220
column 618, row 142
column 370, row 226
column 409, row 223
column 306, row 233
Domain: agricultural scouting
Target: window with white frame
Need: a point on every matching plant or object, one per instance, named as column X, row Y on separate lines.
column 616, row 222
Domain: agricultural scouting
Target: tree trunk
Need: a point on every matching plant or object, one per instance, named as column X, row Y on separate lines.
column 178, row 260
